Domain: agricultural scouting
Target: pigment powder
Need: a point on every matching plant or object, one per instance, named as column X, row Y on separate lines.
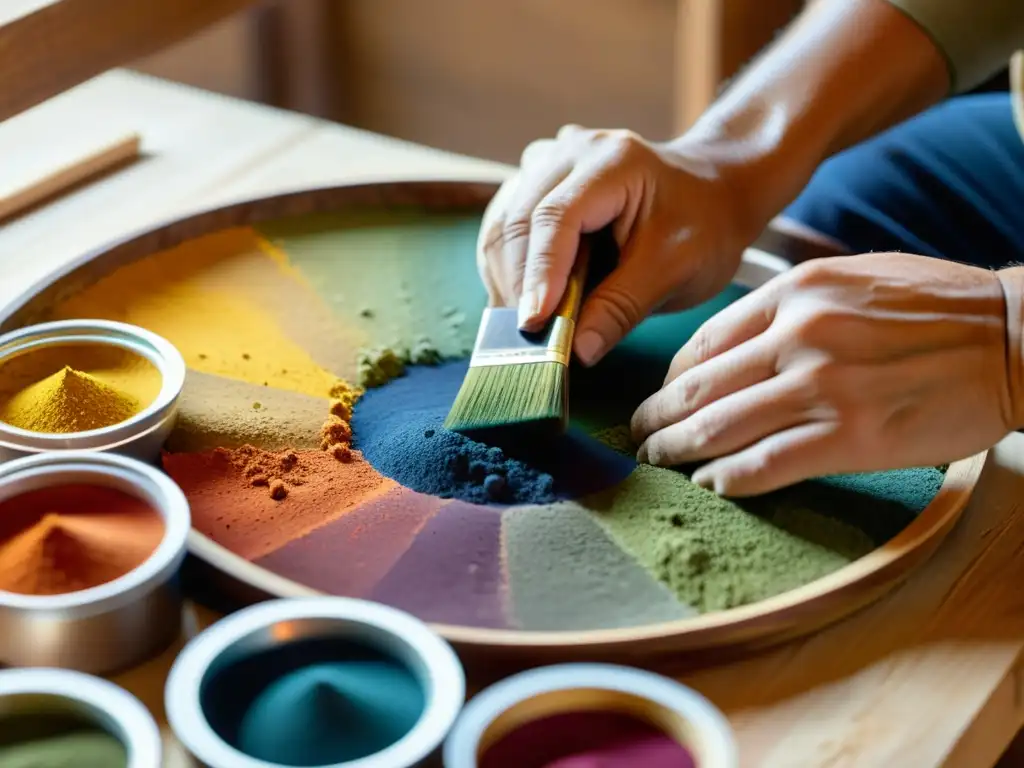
column 399, row 429
column 359, row 491
column 68, row 401
column 313, row 702
column 587, row 740
column 57, row 741
column 72, row 537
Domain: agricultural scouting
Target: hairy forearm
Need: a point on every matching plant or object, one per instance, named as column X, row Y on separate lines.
column 842, row 72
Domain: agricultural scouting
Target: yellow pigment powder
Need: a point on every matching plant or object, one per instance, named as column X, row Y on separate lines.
column 191, row 296
column 68, row 401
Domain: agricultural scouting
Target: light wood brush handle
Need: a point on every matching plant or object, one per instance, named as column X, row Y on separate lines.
column 569, row 306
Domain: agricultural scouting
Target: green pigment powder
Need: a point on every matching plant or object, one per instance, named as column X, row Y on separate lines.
column 57, row 741
column 565, row 574
column 380, row 365
column 712, row 553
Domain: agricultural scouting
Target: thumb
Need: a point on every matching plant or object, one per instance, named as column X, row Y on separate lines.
column 583, row 202
column 623, row 299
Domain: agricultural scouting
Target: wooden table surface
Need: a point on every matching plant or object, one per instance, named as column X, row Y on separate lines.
column 929, row 676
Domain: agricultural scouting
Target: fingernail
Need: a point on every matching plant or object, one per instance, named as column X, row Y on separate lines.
column 703, row 479
column 588, row 347
column 529, row 306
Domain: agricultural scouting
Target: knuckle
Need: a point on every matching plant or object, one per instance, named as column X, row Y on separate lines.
column 704, row 433
column 820, row 327
column 809, row 274
column 624, row 144
column 549, row 213
column 700, row 345
column 515, row 228
column 535, row 151
column 688, row 391
column 621, row 308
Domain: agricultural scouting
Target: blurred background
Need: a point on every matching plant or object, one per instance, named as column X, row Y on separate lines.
column 480, row 78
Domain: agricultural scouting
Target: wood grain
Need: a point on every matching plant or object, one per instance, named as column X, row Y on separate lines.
column 926, row 677
column 48, row 46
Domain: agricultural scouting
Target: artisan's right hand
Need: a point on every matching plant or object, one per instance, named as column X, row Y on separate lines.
column 675, row 218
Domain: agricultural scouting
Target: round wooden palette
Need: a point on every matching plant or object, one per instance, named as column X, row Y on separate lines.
column 613, row 568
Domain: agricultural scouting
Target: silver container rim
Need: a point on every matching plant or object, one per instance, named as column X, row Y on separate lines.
column 445, row 686
column 132, row 723
column 163, row 355
column 150, row 484
column 718, row 747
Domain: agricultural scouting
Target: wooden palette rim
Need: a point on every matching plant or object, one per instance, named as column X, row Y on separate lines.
column 792, row 613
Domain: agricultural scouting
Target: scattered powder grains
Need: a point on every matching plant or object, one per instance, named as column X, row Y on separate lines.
column 68, row 401
column 72, row 537
column 232, row 499
column 711, row 553
column 565, row 574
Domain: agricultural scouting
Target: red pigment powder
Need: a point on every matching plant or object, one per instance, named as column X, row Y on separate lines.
column 587, row 740
column 254, row 501
column 73, row 537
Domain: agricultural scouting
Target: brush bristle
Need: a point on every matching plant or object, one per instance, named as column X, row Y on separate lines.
column 524, row 397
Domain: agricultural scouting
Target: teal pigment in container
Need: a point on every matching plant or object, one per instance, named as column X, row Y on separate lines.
column 313, row 702
column 315, row 682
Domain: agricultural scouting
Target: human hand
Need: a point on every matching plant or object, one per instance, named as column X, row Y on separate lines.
column 675, row 218
column 848, row 364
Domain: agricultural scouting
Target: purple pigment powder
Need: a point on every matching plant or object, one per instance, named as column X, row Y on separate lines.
column 350, row 554
column 452, row 573
column 587, row 740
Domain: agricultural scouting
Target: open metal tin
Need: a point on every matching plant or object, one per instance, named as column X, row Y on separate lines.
column 681, row 713
column 141, row 436
column 114, row 625
column 267, row 625
column 42, row 692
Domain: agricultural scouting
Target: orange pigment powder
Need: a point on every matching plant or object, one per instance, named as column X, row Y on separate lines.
column 73, row 537
column 253, row 501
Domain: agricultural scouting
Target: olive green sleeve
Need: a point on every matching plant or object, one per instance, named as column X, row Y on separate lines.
column 977, row 37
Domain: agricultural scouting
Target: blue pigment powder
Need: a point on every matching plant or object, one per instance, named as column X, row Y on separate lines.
column 313, row 703
column 399, row 428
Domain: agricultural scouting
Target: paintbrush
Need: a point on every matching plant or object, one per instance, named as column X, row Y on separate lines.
column 517, row 385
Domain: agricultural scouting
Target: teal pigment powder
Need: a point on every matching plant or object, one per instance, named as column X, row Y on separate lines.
column 587, row 740
column 313, row 702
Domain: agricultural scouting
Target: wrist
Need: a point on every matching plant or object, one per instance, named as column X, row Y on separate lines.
column 1012, row 281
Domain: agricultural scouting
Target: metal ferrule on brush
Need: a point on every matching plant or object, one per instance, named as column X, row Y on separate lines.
column 500, row 342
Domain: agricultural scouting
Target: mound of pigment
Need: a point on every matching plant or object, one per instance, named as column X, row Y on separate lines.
column 399, row 428
column 77, row 750
column 331, row 713
column 587, row 740
column 57, row 740
column 313, row 702
column 68, row 401
column 73, row 537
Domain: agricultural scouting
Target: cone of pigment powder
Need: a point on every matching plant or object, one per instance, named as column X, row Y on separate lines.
column 87, row 385
column 53, row 718
column 315, row 682
column 90, row 544
column 590, row 716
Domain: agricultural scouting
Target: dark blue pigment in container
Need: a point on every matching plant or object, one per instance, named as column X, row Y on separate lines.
column 313, row 702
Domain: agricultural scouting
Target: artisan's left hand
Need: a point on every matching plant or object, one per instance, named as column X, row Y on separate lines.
column 847, row 364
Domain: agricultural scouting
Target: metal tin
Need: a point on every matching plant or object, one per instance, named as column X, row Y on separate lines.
column 278, row 622
column 143, row 435
column 114, row 625
column 680, row 712
column 60, row 691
